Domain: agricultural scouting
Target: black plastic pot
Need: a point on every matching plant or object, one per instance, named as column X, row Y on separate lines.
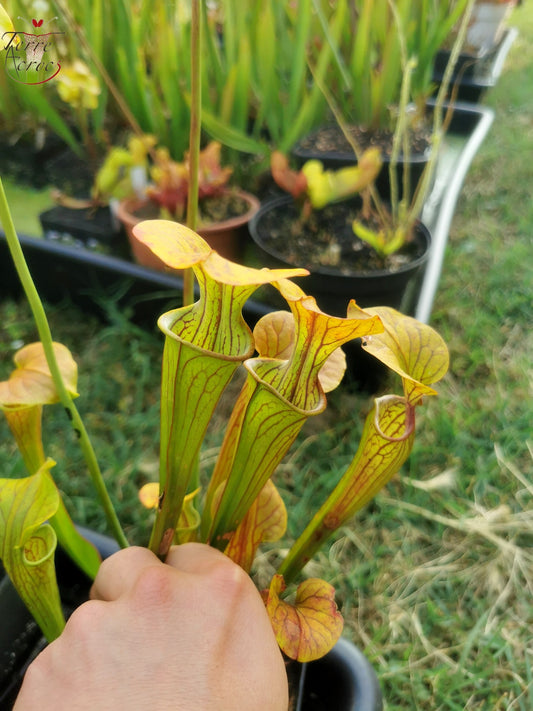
column 332, row 287
column 90, row 279
column 309, row 148
column 333, row 290
column 466, row 65
column 343, row 680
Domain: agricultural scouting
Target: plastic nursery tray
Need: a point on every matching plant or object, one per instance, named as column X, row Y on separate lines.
column 479, row 74
column 89, row 279
column 89, row 226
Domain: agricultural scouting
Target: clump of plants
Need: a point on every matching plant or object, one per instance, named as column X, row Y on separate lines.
column 291, row 359
column 315, row 187
column 378, row 89
column 383, row 224
column 170, row 188
column 146, row 170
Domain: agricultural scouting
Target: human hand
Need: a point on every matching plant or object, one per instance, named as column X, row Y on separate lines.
column 188, row 635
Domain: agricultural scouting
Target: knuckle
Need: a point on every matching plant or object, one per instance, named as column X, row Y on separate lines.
column 155, row 586
column 85, row 619
column 230, row 579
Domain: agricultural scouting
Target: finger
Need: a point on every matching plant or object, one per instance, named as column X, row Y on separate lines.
column 195, row 558
column 119, row 572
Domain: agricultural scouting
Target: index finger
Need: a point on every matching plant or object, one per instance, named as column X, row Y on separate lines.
column 196, row 558
column 119, row 572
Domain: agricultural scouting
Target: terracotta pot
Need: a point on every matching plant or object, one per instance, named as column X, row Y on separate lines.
column 226, row 237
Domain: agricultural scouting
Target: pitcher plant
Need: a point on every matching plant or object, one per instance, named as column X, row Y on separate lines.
column 291, row 360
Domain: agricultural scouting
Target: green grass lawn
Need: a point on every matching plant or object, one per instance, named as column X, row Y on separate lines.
column 448, row 612
column 435, row 577
column 26, row 204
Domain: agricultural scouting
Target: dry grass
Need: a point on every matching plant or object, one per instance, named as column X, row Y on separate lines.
column 442, row 600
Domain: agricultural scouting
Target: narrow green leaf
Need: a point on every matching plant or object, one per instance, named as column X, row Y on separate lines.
column 192, row 382
column 261, row 429
column 232, row 137
column 298, row 76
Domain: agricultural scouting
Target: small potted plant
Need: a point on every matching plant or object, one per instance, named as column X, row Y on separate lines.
column 363, row 248
column 374, row 249
column 314, row 226
column 223, row 211
column 381, row 41
column 92, row 220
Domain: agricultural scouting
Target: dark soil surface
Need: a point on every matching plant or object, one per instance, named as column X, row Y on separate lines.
column 211, row 210
column 223, row 207
column 326, row 241
column 332, row 139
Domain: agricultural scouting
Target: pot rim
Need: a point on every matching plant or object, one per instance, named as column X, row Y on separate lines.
column 421, row 230
column 348, row 157
column 128, row 206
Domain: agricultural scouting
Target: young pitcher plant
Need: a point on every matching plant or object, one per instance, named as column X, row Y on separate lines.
column 291, row 359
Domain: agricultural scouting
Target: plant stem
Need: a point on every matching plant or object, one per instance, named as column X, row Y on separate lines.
column 45, row 336
column 400, row 140
column 194, row 139
column 370, row 190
